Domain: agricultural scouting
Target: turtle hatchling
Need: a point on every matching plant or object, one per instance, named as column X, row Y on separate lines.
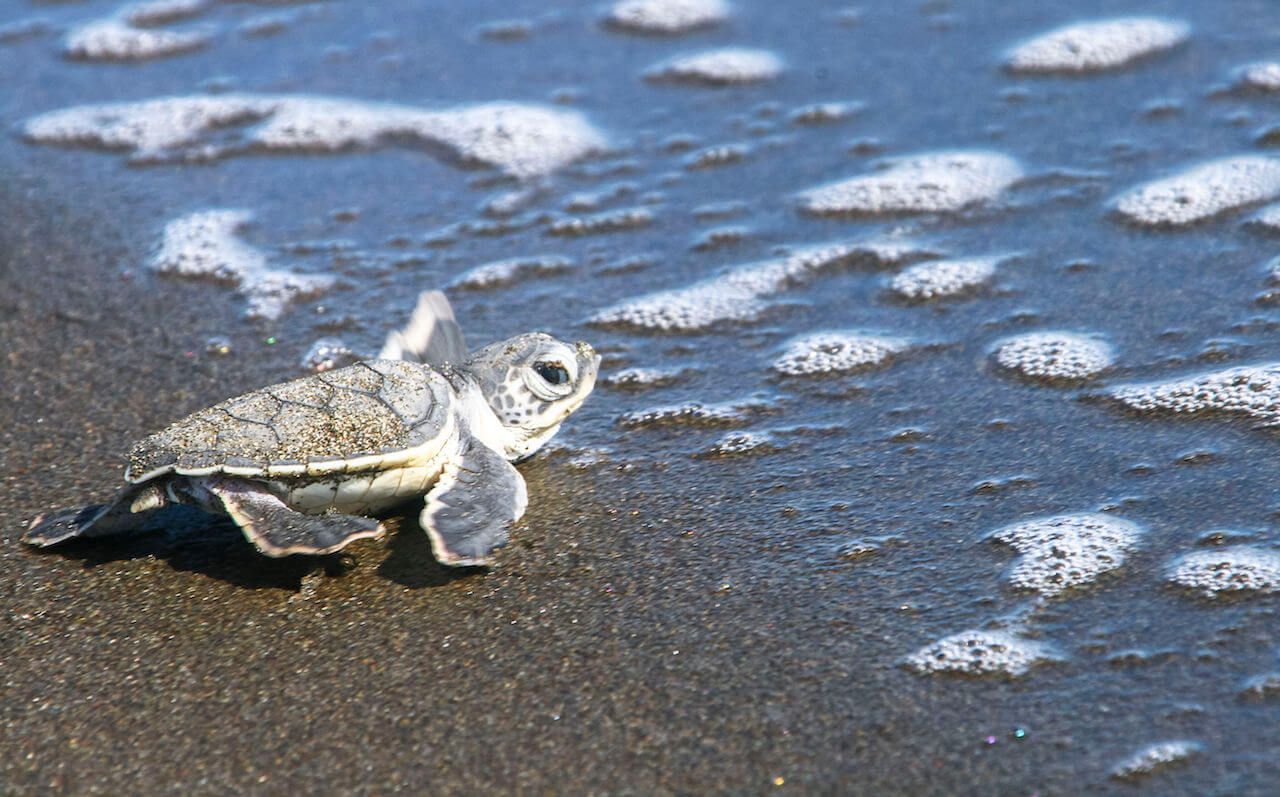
column 301, row 466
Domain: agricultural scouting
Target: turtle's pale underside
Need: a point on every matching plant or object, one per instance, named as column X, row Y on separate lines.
column 301, row 465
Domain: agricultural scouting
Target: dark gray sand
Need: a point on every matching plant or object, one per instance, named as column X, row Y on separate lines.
column 678, row 613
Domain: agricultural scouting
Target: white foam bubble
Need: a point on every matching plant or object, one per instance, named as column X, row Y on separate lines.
column 738, row 296
column 505, row 272
column 942, row 278
column 1066, row 551
column 606, row 221
column 735, row 444
column 1055, row 355
column 1155, row 757
column 160, row 12
column 711, row 157
column 694, row 413
column 1261, row 76
column 1249, row 390
column 1237, row 568
column 522, row 140
column 981, row 653
column 114, row 39
column 824, row 112
column 1266, row 219
column 837, row 351
column 643, row 378
column 933, row 182
column 205, row 244
column 1264, row 687
column 1096, row 46
column 719, row 67
column 1202, row 192
column 667, row 16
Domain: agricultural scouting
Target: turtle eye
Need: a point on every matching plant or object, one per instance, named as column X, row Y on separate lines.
column 553, row 373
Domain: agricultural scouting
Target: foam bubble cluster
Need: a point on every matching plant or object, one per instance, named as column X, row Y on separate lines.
column 1249, row 390
column 1055, row 356
column 606, row 221
column 934, row 182
column 1066, row 551
column 205, row 244
column 1202, row 192
column 728, row 66
column 1266, row 219
column 1096, row 46
column 693, row 414
column 642, row 378
column 505, row 272
column 1264, row 687
column 943, row 278
column 1237, row 568
column 824, row 112
column 981, row 653
column 738, row 295
column 522, row 140
column 1155, row 757
column 837, row 352
column 116, row 39
column 1262, row 76
column 667, row 16
column 736, row 444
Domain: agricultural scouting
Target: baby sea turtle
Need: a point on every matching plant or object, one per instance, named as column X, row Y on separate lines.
column 298, row 466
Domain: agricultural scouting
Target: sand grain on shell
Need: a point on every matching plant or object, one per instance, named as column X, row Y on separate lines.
column 1097, row 46
column 935, row 182
column 522, row 140
column 1202, row 192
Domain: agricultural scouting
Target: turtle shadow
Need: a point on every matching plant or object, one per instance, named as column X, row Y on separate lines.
column 411, row 562
column 192, row 541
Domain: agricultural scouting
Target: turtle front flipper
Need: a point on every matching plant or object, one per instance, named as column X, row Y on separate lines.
column 470, row 510
column 277, row 530
column 99, row 520
column 432, row 335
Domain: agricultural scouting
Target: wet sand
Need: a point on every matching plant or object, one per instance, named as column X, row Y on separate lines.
column 671, row 618
column 622, row 645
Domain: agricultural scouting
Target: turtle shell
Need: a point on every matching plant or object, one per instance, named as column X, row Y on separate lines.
column 368, row 416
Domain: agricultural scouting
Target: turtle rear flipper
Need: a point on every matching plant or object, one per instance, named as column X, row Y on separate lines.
column 277, row 530
column 98, row 520
column 469, row 512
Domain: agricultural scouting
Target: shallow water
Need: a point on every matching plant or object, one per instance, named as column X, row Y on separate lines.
column 729, row 572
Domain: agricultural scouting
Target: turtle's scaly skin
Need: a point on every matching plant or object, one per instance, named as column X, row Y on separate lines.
column 303, row 438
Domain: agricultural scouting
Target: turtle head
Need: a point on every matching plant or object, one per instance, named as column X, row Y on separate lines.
column 532, row 382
